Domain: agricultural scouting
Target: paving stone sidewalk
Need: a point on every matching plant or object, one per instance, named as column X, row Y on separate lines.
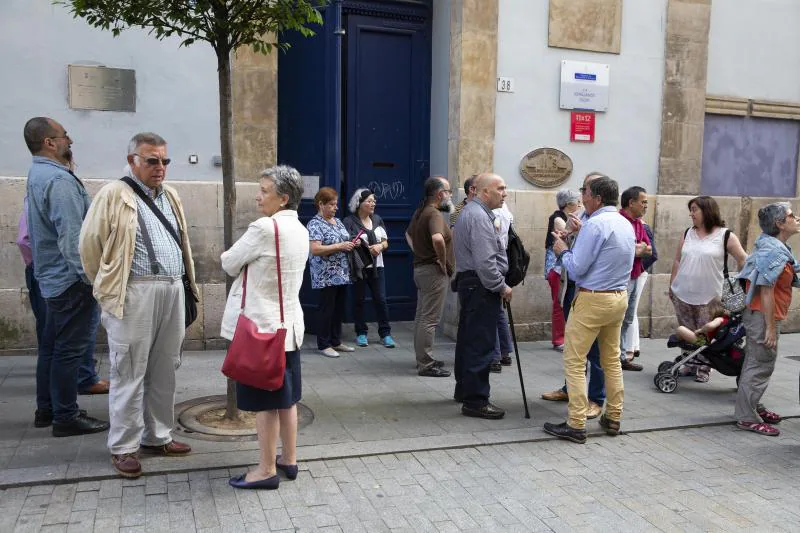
column 704, row 479
column 371, row 402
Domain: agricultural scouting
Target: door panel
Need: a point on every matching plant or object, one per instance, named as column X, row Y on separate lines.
column 386, row 134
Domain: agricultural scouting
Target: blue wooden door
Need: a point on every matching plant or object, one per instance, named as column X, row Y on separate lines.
column 386, row 113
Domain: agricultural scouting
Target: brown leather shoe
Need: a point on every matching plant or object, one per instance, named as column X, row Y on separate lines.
column 173, row 448
column 101, row 387
column 630, row 365
column 127, row 465
column 593, row 411
column 556, row 396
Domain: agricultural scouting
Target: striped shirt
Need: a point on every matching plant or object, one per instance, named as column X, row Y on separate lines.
column 167, row 252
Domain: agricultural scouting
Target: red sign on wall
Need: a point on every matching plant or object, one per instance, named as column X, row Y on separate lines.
column 581, row 128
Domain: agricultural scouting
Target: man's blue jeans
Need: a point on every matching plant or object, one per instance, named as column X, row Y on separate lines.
column 87, row 372
column 597, row 383
column 69, row 331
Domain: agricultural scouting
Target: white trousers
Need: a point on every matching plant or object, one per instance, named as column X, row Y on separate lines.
column 630, row 340
column 144, row 352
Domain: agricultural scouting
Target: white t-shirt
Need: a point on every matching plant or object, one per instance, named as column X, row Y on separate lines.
column 699, row 277
column 380, row 234
column 506, row 219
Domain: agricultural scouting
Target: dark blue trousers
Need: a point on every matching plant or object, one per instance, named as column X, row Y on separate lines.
column 377, row 287
column 69, row 330
column 597, row 380
column 87, row 372
column 477, row 332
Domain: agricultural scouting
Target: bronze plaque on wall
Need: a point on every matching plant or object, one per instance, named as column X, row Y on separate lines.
column 101, row 88
column 546, row 167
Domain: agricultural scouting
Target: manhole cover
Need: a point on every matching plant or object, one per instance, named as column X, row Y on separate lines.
column 204, row 419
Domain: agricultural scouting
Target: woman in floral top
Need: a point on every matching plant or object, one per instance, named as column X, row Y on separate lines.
column 330, row 271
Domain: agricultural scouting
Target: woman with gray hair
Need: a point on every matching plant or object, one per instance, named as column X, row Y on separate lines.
column 568, row 202
column 769, row 272
column 278, row 198
column 364, row 224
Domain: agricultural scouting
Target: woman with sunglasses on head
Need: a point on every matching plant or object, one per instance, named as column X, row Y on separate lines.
column 373, row 241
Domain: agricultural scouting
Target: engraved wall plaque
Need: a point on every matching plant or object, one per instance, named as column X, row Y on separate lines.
column 546, row 167
column 101, row 88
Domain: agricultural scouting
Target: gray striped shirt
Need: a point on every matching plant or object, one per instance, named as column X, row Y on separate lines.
column 167, row 252
column 479, row 245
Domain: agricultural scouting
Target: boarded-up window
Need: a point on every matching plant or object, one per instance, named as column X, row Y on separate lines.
column 745, row 156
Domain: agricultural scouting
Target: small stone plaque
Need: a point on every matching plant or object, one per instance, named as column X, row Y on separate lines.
column 546, row 167
column 101, row 88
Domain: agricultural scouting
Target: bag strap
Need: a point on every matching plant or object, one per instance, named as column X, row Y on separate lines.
column 725, row 256
column 156, row 211
column 151, row 253
column 280, row 280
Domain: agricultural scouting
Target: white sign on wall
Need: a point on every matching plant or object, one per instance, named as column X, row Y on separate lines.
column 584, row 86
column 505, row 85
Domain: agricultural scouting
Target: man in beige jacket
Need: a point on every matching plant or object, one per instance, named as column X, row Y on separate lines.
column 136, row 265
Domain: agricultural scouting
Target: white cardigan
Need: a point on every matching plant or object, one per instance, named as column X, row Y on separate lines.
column 256, row 248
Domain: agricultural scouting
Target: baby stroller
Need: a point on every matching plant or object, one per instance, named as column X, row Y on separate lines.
column 725, row 353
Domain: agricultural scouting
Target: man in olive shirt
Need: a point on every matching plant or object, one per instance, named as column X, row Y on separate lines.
column 429, row 238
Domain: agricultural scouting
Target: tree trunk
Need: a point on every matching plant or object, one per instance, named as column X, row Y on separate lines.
column 228, row 185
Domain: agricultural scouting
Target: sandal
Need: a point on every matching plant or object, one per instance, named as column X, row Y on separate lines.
column 769, row 417
column 759, row 427
column 701, row 377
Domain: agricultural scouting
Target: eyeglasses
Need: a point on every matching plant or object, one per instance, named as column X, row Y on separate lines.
column 370, row 202
column 153, row 161
column 582, row 189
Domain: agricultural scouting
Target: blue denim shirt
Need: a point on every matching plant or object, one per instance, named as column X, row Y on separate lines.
column 57, row 204
column 602, row 257
column 765, row 264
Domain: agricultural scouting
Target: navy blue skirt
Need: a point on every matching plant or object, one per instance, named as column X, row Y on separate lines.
column 253, row 399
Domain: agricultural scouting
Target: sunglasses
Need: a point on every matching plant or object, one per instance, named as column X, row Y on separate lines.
column 153, row 161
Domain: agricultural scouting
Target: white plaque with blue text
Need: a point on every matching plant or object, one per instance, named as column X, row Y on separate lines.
column 584, row 86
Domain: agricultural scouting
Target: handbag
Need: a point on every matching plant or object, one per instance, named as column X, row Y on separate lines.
column 258, row 359
column 189, row 300
column 733, row 296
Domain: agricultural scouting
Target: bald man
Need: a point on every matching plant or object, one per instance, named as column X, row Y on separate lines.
column 481, row 266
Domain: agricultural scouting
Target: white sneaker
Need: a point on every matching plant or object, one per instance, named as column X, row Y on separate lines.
column 344, row 348
column 329, row 352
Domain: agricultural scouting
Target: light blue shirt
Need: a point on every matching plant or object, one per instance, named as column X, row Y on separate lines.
column 57, row 204
column 602, row 257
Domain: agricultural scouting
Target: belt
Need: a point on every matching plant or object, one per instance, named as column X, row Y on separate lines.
column 581, row 289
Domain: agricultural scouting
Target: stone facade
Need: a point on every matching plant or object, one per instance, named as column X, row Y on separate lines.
column 683, row 113
column 593, row 25
column 255, row 112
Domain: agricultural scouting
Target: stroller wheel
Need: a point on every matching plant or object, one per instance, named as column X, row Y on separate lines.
column 665, row 366
column 665, row 382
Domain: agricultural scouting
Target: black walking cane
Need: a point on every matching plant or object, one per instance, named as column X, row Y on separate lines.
column 516, row 351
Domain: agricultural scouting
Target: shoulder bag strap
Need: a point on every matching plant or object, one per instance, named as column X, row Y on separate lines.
column 725, row 256
column 278, row 263
column 156, row 211
column 280, row 281
column 151, row 253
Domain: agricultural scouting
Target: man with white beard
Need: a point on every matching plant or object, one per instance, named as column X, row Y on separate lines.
column 430, row 240
column 482, row 265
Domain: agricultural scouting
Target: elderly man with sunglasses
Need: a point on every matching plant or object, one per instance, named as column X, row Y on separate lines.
column 136, row 253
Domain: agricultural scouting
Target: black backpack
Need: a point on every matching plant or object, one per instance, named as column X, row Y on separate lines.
column 518, row 259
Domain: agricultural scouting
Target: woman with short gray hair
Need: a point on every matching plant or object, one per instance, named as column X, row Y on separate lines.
column 568, row 202
column 770, row 273
column 255, row 254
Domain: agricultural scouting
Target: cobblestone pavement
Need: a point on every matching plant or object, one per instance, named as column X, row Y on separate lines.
column 704, row 479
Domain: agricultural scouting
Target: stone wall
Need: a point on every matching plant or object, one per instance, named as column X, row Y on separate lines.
column 531, row 304
column 203, row 204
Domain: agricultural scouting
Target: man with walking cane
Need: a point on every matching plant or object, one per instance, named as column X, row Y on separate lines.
column 481, row 265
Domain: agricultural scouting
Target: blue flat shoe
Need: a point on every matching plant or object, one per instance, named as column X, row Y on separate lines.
column 271, row 483
column 289, row 470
